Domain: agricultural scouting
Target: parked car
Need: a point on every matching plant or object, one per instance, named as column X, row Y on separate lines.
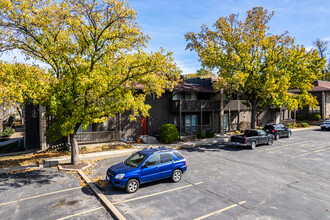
column 278, row 130
column 145, row 166
column 252, row 138
column 325, row 125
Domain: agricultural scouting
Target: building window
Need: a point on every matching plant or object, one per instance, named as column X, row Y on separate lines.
column 191, row 122
column 317, row 110
column 177, row 96
column 190, row 96
column 175, row 121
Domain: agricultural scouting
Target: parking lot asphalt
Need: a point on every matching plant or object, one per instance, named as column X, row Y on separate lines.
column 288, row 180
column 47, row 194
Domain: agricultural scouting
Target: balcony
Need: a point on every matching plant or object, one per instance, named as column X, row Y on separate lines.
column 207, row 105
column 195, row 105
column 235, row 105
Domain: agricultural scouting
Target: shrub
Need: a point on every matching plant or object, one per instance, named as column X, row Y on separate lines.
column 201, row 135
column 304, row 125
column 7, row 132
column 301, row 117
column 298, row 126
column 289, row 125
column 209, row 134
column 314, row 117
column 168, row 133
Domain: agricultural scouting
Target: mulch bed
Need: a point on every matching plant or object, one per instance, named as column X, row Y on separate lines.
column 75, row 166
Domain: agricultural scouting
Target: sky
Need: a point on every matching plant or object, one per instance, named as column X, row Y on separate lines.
column 167, row 21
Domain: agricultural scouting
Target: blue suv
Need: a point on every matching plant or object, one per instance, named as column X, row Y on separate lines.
column 145, row 166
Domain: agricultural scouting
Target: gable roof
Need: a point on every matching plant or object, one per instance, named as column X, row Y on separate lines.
column 319, row 86
column 192, row 87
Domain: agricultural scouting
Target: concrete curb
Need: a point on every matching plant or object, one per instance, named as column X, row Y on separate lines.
column 113, row 210
column 85, row 167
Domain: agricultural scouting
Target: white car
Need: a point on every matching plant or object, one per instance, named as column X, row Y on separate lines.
column 325, row 125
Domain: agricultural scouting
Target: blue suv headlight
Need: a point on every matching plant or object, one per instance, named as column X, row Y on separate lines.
column 119, row 176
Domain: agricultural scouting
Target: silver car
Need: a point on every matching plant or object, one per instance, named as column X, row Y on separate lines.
column 325, row 125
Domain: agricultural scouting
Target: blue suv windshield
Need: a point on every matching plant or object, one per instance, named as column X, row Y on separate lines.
column 135, row 160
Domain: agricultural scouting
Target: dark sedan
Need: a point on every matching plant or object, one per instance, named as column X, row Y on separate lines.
column 278, row 130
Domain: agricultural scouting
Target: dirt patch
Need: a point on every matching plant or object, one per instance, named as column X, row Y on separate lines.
column 85, row 150
column 62, row 203
column 75, row 166
column 148, row 212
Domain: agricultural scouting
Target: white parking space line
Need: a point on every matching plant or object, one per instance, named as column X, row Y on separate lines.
column 316, row 151
column 287, row 145
column 37, row 196
column 80, row 213
column 219, row 211
column 154, row 194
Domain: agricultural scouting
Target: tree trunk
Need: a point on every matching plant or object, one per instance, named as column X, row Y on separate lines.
column 253, row 113
column 74, row 149
column 74, row 146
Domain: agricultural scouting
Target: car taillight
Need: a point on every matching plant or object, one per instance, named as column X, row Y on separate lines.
column 185, row 163
column 274, row 130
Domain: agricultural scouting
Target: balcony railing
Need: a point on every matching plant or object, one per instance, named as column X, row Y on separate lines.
column 97, row 137
column 195, row 105
column 235, row 105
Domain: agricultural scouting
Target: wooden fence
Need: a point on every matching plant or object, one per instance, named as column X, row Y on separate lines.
column 97, row 137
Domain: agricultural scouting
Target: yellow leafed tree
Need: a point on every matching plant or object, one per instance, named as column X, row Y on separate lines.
column 95, row 51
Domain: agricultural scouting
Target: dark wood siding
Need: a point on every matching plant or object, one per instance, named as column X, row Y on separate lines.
column 159, row 113
column 32, row 133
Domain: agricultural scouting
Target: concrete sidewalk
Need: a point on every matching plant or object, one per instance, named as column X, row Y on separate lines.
column 308, row 128
column 118, row 153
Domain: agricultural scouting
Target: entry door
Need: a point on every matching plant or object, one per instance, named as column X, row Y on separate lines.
column 143, row 126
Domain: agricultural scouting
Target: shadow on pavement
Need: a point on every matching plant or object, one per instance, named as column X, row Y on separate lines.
column 213, row 148
column 106, row 188
column 21, row 178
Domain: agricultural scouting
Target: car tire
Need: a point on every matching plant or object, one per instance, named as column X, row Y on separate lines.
column 270, row 141
column 132, row 185
column 253, row 145
column 289, row 134
column 277, row 136
column 176, row 175
column 322, row 129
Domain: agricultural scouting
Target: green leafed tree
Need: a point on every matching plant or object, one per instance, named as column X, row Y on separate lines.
column 201, row 73
column 23, row 84
column 259, row 65
column 96, row 52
